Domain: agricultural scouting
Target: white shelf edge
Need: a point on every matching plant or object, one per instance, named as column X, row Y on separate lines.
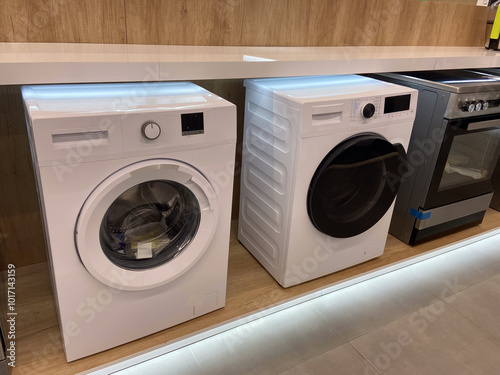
column 35, row 63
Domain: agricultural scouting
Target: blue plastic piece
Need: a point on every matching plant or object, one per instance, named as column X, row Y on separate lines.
column 420, row 215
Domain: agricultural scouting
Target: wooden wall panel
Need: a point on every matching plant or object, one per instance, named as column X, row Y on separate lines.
column 468, row 2
column 190, row 22
column 21, row 236
column 431, row 24
column 244, row 22
column 63, row 21
column 333, row 23
column 91, row 21
column 397, row 19
column 275, row 23
column 25, row 20
column 304, row 22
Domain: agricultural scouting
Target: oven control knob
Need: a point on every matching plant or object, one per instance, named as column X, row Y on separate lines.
column 151, row 130
column 481, row 105
column 469, row 106
column 485, row 106
column 368, row 110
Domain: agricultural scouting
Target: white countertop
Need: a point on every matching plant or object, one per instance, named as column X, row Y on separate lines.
column 24, row 63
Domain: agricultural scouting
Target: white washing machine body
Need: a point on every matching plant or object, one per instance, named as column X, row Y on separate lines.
column 135, row 184
column 323, row 158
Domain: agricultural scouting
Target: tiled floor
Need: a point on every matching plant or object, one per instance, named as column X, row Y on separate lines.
column 440, row 316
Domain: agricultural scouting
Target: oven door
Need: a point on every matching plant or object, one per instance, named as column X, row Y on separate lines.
column 466, row 161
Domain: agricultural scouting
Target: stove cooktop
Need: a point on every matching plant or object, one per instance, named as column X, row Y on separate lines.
column 457, row 81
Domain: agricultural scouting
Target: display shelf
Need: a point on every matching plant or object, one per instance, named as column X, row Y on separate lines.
column 250, row 290
column 35, row 63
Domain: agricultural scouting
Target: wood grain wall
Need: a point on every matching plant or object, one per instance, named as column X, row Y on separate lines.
column 196, row 22
column 244, row 22
column 21, row 236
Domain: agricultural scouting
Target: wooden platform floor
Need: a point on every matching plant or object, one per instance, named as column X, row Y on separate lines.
column 250, row 288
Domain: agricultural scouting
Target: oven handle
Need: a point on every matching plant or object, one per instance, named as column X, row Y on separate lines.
column 483, row 124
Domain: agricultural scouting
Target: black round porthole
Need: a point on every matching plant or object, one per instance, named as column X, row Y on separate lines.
column 355, row 184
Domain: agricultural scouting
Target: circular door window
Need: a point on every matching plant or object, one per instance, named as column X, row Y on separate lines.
column 149, row 224
column 355, row 185
column 146, row 224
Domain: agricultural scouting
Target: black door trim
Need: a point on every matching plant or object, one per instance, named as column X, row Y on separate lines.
column 355, row 185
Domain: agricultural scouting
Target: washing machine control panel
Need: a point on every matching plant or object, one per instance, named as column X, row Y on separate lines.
column 365, row 108
column 151, row 130
column 192, row 123
column 382, row 107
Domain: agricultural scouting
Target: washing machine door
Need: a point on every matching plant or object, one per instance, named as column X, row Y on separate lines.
column 355, row 185
column 146, row 224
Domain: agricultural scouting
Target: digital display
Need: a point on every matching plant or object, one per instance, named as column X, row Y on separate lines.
column 192, row 123
column 397, row 103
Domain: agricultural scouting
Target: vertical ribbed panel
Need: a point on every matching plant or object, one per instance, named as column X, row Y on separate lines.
column 269, row 141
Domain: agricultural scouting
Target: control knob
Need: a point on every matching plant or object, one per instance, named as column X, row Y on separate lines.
column 368, row 110
column 469, row 106
column 151, row 130
column 482, row 105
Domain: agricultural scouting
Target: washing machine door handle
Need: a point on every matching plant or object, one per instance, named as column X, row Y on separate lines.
column 355, row 185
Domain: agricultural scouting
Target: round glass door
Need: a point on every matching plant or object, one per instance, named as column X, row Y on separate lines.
column 149, row 224
column 146, row 224
column 355, row 185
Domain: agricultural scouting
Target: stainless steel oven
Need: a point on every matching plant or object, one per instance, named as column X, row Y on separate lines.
column 454, row 148
column 495, row 179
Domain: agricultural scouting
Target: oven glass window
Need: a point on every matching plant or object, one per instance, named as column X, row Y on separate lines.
column 149, row 224
column 472, row 157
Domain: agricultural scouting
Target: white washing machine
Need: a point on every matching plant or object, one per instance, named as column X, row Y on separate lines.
column 135, row 184
column 323, row 158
